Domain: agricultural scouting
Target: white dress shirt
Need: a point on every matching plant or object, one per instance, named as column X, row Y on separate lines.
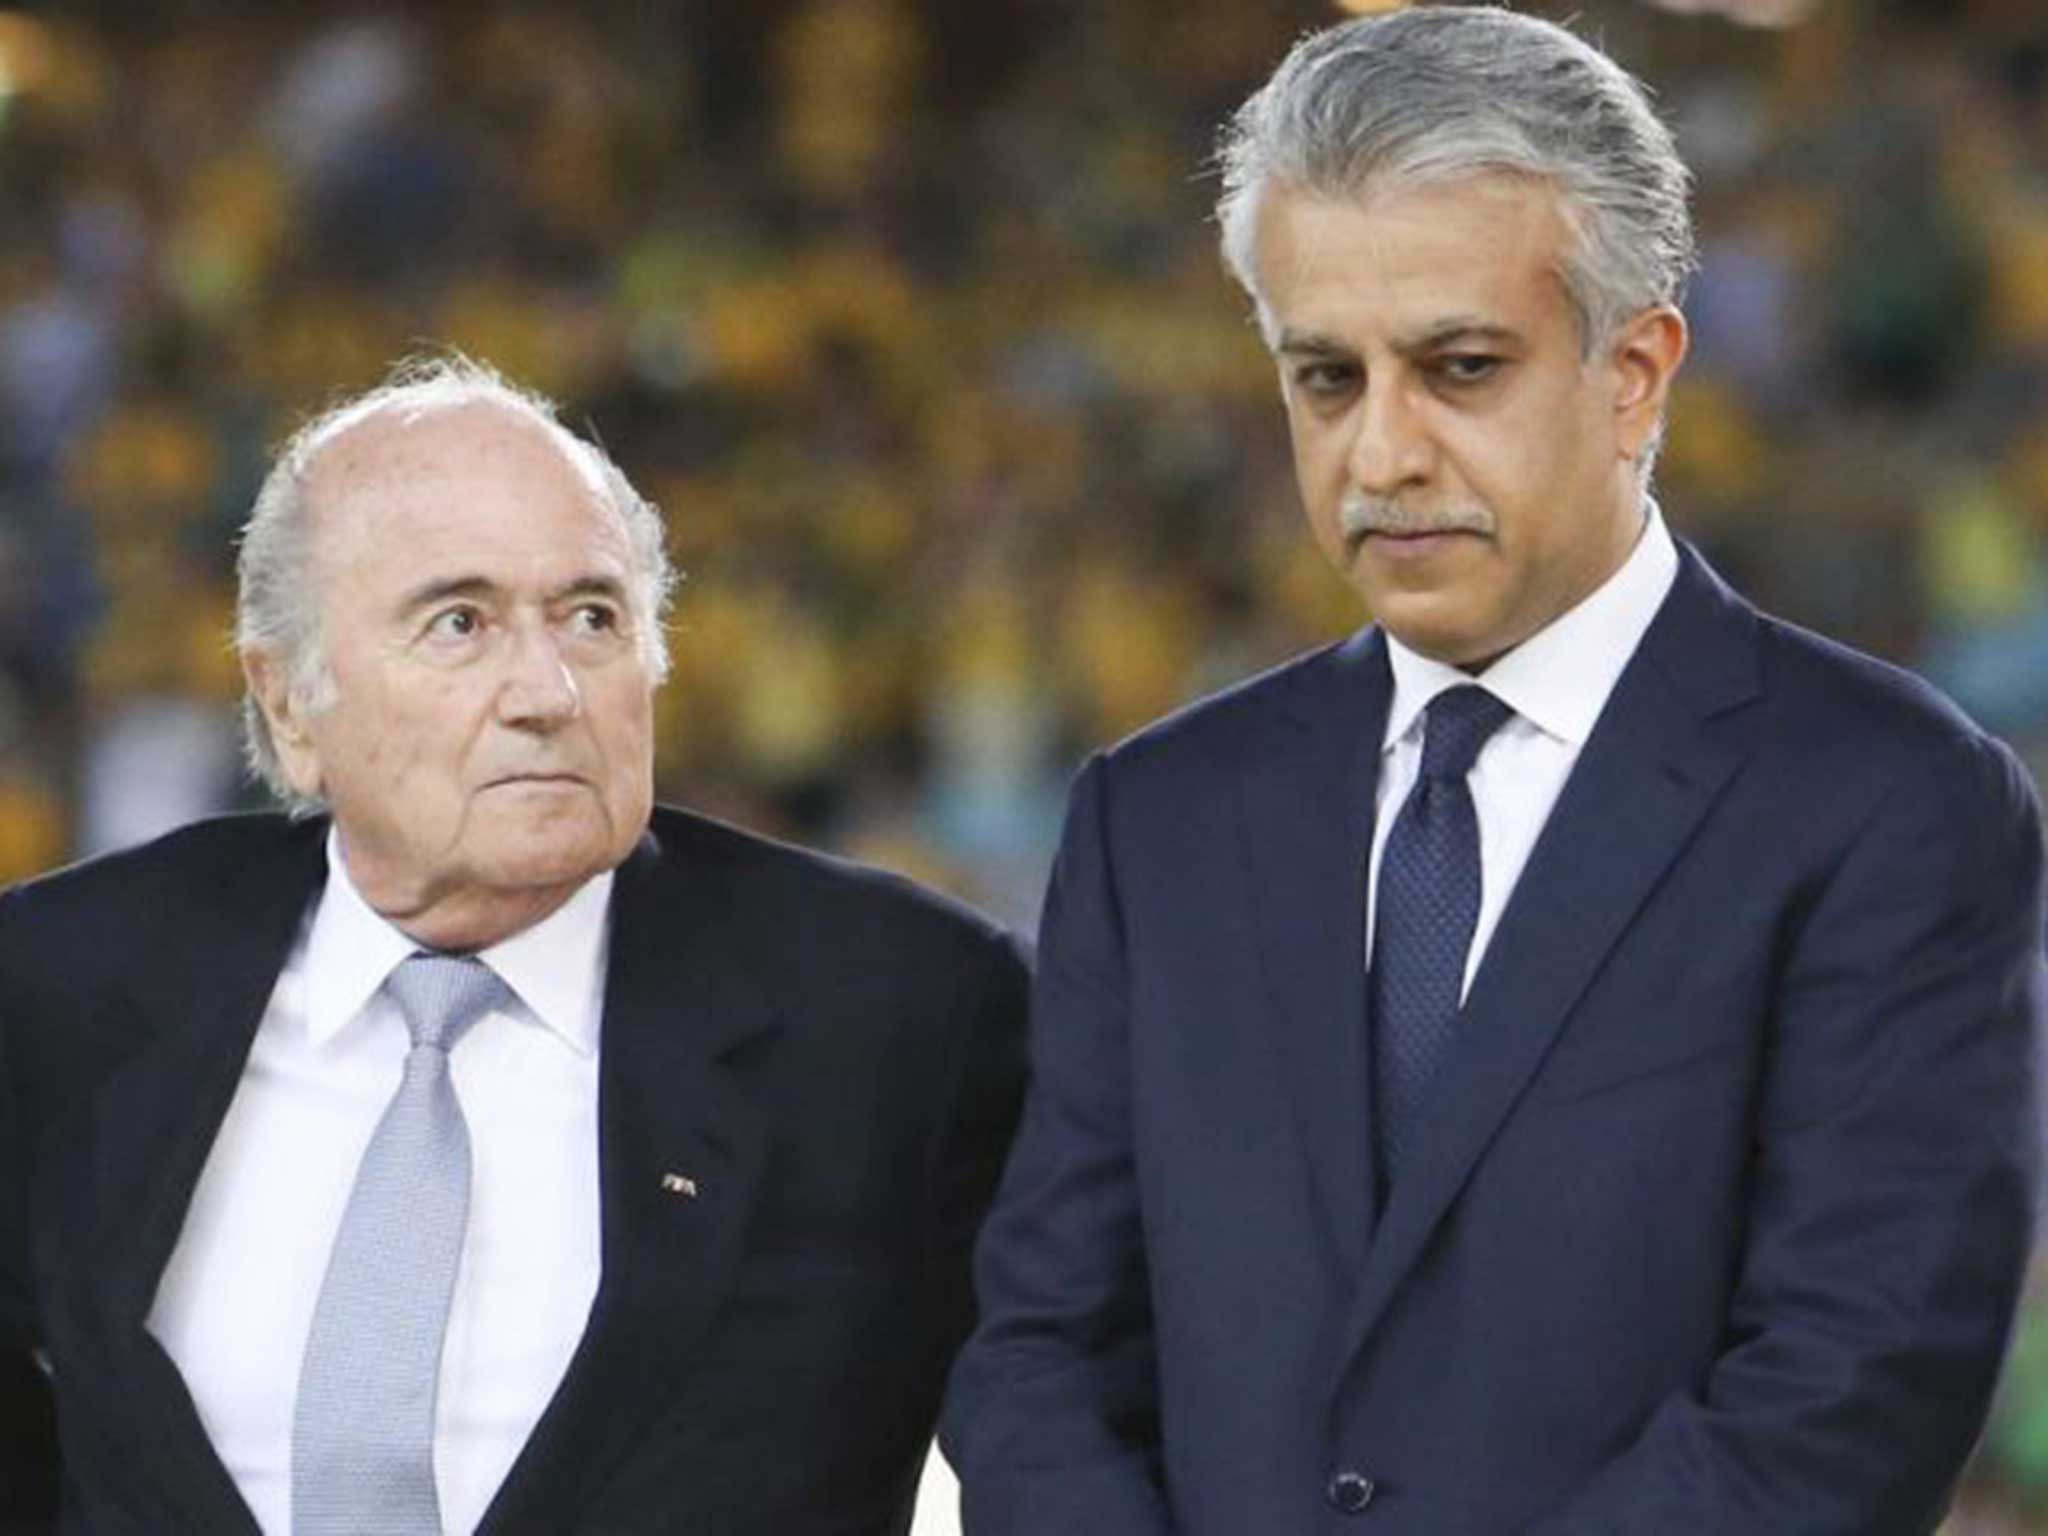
column 1557, row 682
column 236, row 1301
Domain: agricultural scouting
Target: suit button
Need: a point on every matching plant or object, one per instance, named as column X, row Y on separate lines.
column 1349, row 1491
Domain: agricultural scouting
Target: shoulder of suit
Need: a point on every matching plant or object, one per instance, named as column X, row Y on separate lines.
column 1226, row 720
column 802, row 884
column 195, row 857
column 1857, row 699
column 207, row 888
column 1856, row 737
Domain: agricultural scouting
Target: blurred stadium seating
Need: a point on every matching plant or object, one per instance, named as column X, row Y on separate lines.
column 908, row 314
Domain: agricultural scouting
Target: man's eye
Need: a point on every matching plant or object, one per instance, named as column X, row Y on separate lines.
column 596, row 618
column 455, row 624
column 1467, row 367
column 1324, row 380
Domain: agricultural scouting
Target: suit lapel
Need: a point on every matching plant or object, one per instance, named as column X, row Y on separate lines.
column 681, row 1156
column 1308, row 820
column 1643, row 783
column 150, row 1128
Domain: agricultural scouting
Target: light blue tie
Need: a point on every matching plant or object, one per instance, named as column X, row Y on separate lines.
column 363, row 1428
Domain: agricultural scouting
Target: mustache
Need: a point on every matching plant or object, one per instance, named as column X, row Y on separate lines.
column 1359, row 514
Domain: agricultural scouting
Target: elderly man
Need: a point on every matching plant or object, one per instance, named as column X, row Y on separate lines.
column 1557, row 1061
column 488, row 1151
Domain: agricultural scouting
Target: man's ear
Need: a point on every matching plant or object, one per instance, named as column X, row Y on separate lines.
column 285, row 712
column 1644, row 356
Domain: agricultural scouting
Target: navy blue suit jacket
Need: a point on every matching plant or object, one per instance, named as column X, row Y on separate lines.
column 1720, row 1211
column 834, row 1057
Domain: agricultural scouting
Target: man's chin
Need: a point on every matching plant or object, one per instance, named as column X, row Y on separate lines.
column 546, row 856
column 556, row 834
column 1432, row 629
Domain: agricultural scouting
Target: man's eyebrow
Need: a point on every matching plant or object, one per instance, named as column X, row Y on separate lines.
column 592, row 585
column 427, row 594
column 1442, row 333
column 1310, row 344
column 1456, row 329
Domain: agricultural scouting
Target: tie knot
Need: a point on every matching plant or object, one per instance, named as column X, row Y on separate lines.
column 1456, row 725
column 442, row 995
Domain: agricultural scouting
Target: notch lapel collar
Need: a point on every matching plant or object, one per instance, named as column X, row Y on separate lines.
column 147, row 1135
column 1308, row 825
column 681, row 1151
column 1643, row 783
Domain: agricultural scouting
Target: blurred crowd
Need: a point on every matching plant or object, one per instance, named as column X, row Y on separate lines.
column 908, row 314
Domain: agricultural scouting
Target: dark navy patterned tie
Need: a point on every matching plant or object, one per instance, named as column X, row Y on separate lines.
column 1423, row 916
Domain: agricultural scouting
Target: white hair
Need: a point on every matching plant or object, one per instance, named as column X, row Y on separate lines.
column 1442, row 93
column 277, row 609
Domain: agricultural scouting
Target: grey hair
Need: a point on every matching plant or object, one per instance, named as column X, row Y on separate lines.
column 1442, row 93
column 277, row 607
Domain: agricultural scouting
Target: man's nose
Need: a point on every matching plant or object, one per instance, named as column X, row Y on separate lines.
column 1390, row 449
column 539, row 687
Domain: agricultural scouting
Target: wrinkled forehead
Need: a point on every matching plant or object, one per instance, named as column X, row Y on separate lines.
column 403, row 456
column 1441, row 231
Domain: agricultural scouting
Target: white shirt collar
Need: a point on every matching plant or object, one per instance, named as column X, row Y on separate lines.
column 555, row 967
column 1559, row 678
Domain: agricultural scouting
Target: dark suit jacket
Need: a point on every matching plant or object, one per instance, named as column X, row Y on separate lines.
column 1720, row 1212
column 833, row 1056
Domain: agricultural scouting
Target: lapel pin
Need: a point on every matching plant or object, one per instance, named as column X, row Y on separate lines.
column 679, row 1184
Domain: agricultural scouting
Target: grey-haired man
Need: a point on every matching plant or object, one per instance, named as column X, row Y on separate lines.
column 490, row 1150
column 1558, row 1061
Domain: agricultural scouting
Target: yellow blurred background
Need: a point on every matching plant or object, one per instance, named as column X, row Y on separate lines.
column 908, row 314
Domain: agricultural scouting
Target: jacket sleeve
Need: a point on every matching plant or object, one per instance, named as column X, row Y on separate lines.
column 1894, row 1174
column 1052, row 1419
column 28, row 1441
column 986, row 1088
